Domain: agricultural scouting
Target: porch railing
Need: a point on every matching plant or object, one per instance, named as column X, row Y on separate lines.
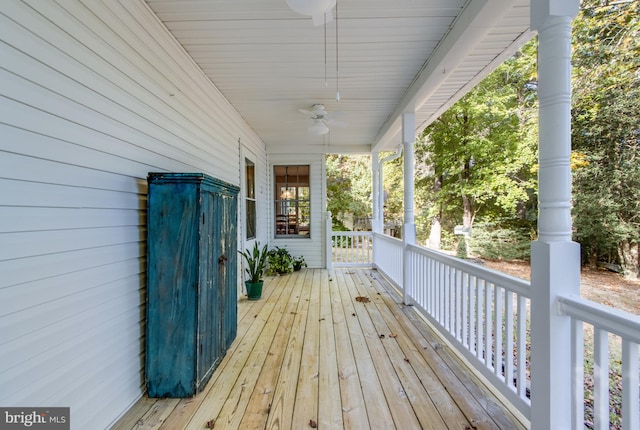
column 387, row 257
column 485, row 314
column 351, row 248
column 616, row 336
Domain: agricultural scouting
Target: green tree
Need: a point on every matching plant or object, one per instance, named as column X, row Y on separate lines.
column 393, row 176
column 479, row 153
column 606, row 128
column 348, row 187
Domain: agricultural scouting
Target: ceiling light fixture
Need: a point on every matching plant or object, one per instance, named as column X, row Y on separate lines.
column 318, row 128
column 319, row 10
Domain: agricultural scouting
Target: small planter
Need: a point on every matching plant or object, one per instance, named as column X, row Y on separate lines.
column 298, row 263
column 254, row 290
column 255, row 260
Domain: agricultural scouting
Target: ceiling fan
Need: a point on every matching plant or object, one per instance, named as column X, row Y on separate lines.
column 323, row 120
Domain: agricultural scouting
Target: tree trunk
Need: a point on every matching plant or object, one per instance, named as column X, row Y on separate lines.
column 629, row 259
column 467, row 215
column 593, row 259
column 435, row 234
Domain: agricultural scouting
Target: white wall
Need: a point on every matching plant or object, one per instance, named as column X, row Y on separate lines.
column 311, row 248
column 92, row 97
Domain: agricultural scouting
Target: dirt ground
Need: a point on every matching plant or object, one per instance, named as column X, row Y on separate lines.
column 600, row 285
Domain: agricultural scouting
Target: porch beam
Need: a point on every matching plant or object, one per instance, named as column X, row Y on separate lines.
column 409, row 225
column 470, row 26
column 555, row 259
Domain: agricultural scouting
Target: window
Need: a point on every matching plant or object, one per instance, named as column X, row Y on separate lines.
column 250, row 198
column 292, row 203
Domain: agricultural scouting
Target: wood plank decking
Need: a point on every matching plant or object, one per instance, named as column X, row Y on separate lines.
column 330, row 349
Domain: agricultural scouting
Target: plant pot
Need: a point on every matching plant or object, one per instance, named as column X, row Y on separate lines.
column 297, row 267
column 254, row 290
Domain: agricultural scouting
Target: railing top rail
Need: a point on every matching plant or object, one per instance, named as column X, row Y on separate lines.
column 387, row 237
column 352, row 233
column 613, row 320
column 511, row 283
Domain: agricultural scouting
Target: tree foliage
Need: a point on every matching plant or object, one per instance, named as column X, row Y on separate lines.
column 606, row 128
column 348, row 187
column 478, row 155
column 478, row 161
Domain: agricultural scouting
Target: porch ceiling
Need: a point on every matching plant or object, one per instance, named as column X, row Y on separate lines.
column 269, row 62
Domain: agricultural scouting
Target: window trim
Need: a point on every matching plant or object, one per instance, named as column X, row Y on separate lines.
column 292, row 201
column 249, row 199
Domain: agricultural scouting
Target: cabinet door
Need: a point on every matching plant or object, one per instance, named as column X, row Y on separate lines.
column 208, row 353
column 228, row 274
column 172, row 290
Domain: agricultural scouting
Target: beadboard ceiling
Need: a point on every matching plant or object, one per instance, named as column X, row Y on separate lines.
column 393, row 56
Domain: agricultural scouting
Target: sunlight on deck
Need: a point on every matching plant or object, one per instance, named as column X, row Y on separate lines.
column 331, row 349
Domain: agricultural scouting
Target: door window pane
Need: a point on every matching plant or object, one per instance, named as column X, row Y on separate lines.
column 250, row 198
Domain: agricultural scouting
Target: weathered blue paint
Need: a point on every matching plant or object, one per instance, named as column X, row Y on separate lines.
column 191, row 280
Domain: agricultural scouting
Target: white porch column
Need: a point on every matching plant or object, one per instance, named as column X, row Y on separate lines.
column 328, row 256
column 409, row 226
column 376, row 168
column 555, row 259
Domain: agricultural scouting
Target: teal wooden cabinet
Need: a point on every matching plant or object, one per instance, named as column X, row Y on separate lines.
column 191, row 280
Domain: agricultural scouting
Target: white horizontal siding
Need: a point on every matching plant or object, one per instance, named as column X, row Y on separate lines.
column 93, row 96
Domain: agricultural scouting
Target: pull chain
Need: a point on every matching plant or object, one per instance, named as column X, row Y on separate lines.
column 337, row 81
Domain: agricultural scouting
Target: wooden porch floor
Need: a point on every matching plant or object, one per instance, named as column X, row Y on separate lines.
column 315, row 352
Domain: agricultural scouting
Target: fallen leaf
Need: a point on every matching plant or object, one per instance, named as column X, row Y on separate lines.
column 393, row 335
column 211, row 424
column 313, row 424
column 362, row 299
column 381, row 336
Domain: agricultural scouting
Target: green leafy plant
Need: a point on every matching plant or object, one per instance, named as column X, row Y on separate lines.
column 502, row 239
column 280, row 261
column 299, row 263
column 256, row 260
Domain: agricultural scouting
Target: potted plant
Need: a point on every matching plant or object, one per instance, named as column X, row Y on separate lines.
column 299, row 263
column 280, row 261
column 256, row 261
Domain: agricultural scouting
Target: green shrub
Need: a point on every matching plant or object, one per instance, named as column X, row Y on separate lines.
column 338, row 225
column 280, row 261
column 501, row 241
column 461, row 251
